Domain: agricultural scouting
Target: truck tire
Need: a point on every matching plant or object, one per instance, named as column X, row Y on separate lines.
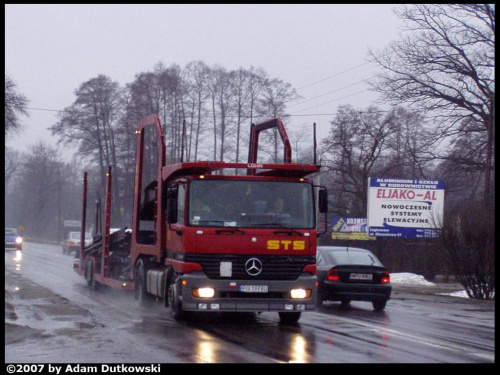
column 345, row 304
column 94, row 284
column 89, row 275
column 141, row 294
column 174, row 300
column 87, row 271
column 289, row 317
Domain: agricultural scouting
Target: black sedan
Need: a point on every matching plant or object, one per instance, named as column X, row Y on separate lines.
column 351, row 274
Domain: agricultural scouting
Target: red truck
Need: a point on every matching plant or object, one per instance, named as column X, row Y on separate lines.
column 212, row 236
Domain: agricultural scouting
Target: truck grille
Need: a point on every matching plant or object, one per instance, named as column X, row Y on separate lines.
column 273, row 267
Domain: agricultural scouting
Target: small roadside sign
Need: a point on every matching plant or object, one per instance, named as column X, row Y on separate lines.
column 72, row 223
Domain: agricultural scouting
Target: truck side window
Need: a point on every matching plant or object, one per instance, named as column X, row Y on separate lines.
column 147, row 214
column 148, row 202
column 181, row 203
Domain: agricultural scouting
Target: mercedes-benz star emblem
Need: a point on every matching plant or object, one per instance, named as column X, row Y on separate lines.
column 253, row 266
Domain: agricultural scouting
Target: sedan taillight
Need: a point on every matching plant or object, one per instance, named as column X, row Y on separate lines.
column 386, row 278
column 333, row 275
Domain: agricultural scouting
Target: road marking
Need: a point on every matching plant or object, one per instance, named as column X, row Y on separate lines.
column 421, row 340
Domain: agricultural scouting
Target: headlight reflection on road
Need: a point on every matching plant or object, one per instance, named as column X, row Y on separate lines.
column 298, row 349
column 17, row 258
column 206, row 349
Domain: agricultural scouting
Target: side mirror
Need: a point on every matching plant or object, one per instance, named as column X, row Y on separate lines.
column 172, row 205
column 323, row 200
column 172, row 192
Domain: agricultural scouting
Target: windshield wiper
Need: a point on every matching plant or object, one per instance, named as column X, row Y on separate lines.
column 232, row 230
column 289, row 231
column 225, row 224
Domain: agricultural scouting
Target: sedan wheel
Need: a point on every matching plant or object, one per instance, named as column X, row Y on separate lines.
column 379, row 305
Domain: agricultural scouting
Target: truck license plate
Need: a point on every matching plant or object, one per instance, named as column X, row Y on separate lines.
column 361, row 276
column 253, row 288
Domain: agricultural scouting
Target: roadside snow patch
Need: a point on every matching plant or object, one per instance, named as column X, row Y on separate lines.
column 409, row 278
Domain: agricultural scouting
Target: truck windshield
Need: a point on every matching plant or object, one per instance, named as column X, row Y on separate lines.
column 251, row 204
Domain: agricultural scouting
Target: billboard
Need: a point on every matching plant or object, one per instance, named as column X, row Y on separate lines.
column 407, row 208
column 350, row 228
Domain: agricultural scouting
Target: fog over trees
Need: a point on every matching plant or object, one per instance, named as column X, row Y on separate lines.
column 438, row 78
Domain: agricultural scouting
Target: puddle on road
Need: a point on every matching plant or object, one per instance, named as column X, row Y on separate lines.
column 32, row 311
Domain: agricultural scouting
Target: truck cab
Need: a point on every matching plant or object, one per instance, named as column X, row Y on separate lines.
column 216, row 236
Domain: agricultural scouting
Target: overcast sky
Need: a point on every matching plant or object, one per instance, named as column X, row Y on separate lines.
column 320, row 49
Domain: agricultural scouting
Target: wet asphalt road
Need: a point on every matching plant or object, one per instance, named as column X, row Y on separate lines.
column 51, row 316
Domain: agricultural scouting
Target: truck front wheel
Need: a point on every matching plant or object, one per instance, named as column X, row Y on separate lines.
column 289, row 317
column 174, row 300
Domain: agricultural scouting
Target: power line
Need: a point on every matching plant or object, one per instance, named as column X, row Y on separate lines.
column 337, row 74
column 334, row 114
column 345, row 87
column 44, row 109
column 331, row 101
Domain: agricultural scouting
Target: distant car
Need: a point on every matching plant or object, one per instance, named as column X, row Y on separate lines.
column 348, row 274
column 13, row 240
column 72, row 242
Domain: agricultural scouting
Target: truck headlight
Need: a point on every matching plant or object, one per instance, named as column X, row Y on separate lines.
column 205, row 292
column 19, row 240
column 300, row 293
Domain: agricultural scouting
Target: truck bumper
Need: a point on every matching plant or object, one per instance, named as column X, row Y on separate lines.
column 229, row 297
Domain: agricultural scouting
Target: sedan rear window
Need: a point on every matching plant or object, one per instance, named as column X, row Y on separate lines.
column 76, row 236
column 353, row 257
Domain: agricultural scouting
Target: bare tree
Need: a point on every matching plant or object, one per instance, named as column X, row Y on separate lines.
column 173, row 89
column 355, row 149
column 256, row 83
column 91, row 123
column 145, row 95
column 37, row 191
column 13, row 164
column 302, row 143
column 241, row 97
column 445, row 65
column 469, row 239
column 463, row 168
column 197, row 94
column 408, row 144
column 15, row 104
column 220, row 86
column 272, row 103
column 125, row 151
